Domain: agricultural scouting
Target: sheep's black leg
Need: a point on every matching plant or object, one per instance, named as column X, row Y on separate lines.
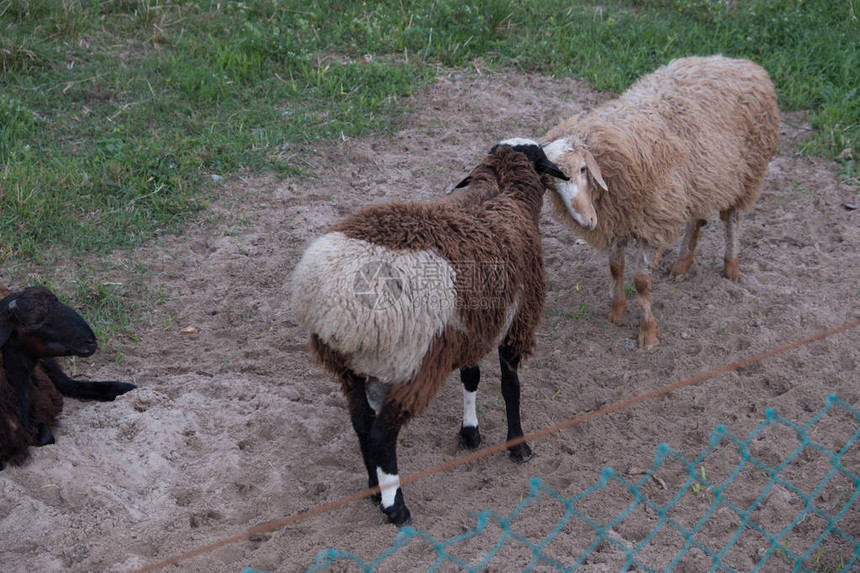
column 17, row 367
column 383, row 451
column 363, row 417
column 83, row 389
column 511, row 393
column 470, row 437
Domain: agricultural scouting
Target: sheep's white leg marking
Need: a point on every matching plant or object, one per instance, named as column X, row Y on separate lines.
column 642, row 280
column 389, row 484
column 470, row 437
column 730, row 262
column 691, row 235
column 470, row 411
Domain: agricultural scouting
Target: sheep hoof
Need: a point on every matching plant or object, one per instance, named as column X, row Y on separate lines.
column 521, row 453
column 680, row 269
column 45, row 436
column 113, row 389
column 398, row 514
column 401, row 521
column 730, row 270
column 470, row 437
column 647, row 335
column 647, row 339
column 616, row 314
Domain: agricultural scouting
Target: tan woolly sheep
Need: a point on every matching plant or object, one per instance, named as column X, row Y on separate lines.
column 692, row 138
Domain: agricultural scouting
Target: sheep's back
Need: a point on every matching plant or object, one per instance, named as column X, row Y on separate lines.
column 723, row 119
column 492, row 248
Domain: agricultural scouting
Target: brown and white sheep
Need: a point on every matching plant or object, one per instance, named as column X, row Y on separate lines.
column 398, row 295
column 35, row 327
column 693, row 137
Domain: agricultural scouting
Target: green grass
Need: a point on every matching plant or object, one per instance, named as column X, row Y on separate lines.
column 114, row 115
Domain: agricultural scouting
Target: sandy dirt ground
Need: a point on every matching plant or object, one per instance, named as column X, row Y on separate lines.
column 234, row 425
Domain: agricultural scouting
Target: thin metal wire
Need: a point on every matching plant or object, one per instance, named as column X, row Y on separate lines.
column 273, row 525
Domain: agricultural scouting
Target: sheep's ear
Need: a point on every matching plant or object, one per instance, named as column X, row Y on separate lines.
column 6, row 326
column 594, row 169
column 464, row 182
column 547, row 167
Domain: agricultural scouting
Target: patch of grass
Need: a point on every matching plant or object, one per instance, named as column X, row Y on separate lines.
column 114, row 115
column 580, row 315
column 111, row 308
column 19, row 53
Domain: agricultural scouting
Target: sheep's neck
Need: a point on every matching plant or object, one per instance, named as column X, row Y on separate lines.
column 532, row 198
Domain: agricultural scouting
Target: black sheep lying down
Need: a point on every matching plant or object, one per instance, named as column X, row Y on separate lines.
column 35, row 327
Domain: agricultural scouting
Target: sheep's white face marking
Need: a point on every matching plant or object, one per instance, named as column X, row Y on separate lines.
column 575, row 194
column 557, row 148
column 389, row 484
column 470, row 410
column 515, row 141
column 568, row 192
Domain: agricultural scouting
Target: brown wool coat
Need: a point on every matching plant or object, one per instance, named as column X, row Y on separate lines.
column 46, row 406
column 489, row 235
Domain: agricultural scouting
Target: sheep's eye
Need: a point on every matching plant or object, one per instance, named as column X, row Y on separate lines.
column 582, row 170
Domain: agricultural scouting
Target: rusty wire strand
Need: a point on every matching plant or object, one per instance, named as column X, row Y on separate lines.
column 273, row 525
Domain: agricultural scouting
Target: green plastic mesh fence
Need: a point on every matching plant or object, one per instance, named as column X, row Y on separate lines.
column 783, row 499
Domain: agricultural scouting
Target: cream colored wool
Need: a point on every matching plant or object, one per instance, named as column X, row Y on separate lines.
column 386, row 342
column 692, row 138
